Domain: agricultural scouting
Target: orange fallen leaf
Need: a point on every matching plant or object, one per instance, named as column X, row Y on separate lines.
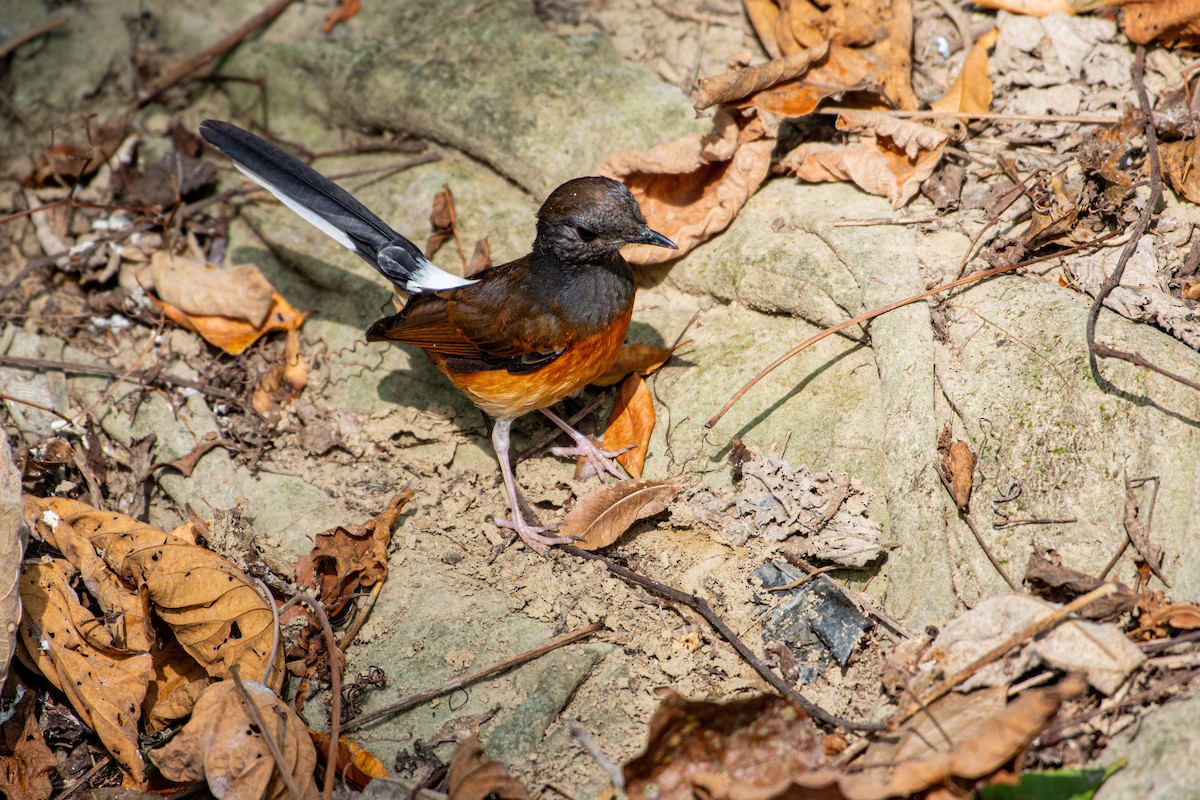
column 354, row 764
column 644, row 359
column 1181, row 169
column 233, row 335
column 346, row 10
column 474, row 776
column 285, row 380
column 971, row 91
column 606, row 512
column 692, row 188
column 1175, row 23
column 630, row 424
column 223, row 745
column 958, row 468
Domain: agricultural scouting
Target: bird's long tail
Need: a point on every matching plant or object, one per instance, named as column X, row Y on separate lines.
column 330, row 208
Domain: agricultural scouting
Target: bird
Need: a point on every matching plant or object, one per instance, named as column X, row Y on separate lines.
column 517, row 337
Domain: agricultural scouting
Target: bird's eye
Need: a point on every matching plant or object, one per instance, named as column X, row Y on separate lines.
column 585, row 235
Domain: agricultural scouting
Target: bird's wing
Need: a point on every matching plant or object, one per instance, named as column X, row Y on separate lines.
column 475, row 329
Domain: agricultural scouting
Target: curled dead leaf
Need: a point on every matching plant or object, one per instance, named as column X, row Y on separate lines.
column 441, row 221
column 285, row 380
column 730, row 86
column 907, row 135
column 233, row 335
column 222, row 745
column 474, row 776
column 630, row 424
column 354, row 764
column 843, row 69
column 606, row 512
column 877, row 166
column 692, row 188
column 26, row 763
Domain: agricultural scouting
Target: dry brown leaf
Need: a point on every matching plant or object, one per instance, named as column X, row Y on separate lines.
column 285, row 380
column 200, row 289
column 350, row 559
column 1052, row 581
column 971, row 91
column 187, row 463
column 125, row 613
column 232, row 335
column 354, row 765
column 105, row 686
column 215, row 611
column 692, row 188
column 1032, row 8
column 644, row 359
column 959, row 468
column 630, row 424
column 178, row 680
column 481, row 259
column 27, row 765
column 875, row 165
column 1175, row 23
column 441, row 221
column 474, row 776
column 223, row 746
column 737, row 84
column 908, row 135
column 1156, row 618
column 764, row 17
column 842, row 70
column 14, row 535
column 1178, row 161
column 606, row 512
column 701, row 749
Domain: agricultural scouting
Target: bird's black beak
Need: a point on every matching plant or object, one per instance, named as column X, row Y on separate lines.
column 647, row 236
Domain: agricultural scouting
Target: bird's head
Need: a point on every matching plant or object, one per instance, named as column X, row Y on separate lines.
column 587, row 219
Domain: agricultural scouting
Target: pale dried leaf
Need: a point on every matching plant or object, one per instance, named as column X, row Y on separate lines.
column 735, row 85
column 692, row 188
column 606, row 512
column 201, row 289
column 971, row 91
column 1101, row 651
column 474, row 776
column 874, row 165
column 630, row 424
column 908, row 135
column 105, row 686
column 222, row 746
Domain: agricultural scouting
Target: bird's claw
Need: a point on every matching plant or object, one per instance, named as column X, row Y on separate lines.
column 532, row 535
column 599, row 459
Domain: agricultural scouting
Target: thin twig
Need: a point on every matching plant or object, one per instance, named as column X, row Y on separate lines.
column 455, row 684
column 870, row 221
column 1012, row 523
column 12, row 44
column 1026, row 634
column 252, row 711
column 701, row 607
column 877, row 312
column 1054, row 732
column 235, row 37
column 993, row 116
column 13, row 399
column 336, row 660
column 1096, row 349
column 140, row 377
column 584, row 739
column 966, row 517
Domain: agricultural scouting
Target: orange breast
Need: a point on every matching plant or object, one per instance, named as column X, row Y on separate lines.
column 506, row 396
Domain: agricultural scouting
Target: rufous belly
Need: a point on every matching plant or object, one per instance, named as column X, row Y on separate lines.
column 503, row 395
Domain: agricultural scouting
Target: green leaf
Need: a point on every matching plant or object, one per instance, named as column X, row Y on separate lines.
column 1055, row 784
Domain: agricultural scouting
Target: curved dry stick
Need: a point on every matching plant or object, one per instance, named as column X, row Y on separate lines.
column 866, row 315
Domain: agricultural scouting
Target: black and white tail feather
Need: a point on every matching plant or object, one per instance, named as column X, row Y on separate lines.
column 330, row 208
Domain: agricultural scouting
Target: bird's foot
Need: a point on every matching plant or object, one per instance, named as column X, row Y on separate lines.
column 599, row 460
column 533, row 535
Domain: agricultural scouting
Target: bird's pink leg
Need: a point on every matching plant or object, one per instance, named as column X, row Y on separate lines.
column 532, row 535
column 601, row 460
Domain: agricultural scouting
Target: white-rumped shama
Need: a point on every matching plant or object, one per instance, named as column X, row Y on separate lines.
column 517, row 338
